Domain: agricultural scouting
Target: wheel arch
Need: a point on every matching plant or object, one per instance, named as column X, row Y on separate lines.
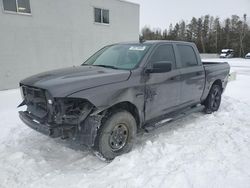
column 217, row 82
column 128, row 106
column 209, row 101
column 206, row 93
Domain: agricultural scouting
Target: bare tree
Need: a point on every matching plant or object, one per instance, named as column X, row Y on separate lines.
column 209, row 33
column 242, row 34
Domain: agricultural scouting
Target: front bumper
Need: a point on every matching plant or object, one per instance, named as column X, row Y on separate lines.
column 84, row 133
column 45, row 129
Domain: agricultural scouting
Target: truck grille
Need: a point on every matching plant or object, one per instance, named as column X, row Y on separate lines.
column 35, row 100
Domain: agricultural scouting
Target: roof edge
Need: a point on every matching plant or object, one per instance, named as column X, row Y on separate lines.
column 129, row 2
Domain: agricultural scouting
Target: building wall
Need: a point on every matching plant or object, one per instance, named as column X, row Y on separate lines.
column 59, row 33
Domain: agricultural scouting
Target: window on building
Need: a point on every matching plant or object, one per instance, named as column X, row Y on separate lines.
column 101, row 15
column 187, row 54
column 105, row 16
column 19, row 6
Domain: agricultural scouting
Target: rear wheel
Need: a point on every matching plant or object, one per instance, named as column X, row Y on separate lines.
column 116, row 135
column 213, row 100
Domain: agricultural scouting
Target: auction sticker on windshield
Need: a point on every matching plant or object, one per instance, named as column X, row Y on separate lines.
column 137, row 48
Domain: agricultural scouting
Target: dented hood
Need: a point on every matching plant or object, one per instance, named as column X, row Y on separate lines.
column 63, row 82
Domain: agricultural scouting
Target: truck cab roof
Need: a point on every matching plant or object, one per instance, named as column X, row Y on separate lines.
column 154, row 42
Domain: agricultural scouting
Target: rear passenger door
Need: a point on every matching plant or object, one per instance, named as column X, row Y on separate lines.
column 192, row 74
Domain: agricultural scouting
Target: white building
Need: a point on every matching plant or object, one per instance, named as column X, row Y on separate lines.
column 39, row 35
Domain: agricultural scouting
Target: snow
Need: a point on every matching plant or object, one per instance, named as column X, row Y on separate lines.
column 197, row 151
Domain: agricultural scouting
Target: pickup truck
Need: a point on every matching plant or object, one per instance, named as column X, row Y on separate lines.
column 122, row 89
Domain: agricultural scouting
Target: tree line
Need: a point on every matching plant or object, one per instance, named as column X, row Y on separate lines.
column 209, row 33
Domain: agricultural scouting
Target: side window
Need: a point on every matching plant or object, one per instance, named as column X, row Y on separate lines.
column 19, row 6
column 187, row 54
column 163, row 53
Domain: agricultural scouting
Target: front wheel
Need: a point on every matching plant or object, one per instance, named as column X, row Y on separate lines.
column 213, row 100
column 116, row 135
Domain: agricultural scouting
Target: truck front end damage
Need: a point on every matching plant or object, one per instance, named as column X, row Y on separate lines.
column 68, row 118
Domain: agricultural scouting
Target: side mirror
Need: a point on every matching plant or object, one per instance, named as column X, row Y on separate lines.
column 160, row 67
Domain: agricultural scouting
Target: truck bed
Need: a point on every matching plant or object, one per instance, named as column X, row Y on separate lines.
column 216, row 66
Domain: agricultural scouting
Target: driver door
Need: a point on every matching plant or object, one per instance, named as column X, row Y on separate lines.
column 162, row 89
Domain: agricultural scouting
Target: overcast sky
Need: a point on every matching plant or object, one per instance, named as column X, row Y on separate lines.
column 160, row 13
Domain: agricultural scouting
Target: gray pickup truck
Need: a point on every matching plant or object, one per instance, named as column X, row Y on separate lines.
column 120, row 90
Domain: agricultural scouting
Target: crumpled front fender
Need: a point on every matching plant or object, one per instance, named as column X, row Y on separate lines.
column 87, row 131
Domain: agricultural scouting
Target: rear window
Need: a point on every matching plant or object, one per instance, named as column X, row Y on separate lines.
column 187, row 55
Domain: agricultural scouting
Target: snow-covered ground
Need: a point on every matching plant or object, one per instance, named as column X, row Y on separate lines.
column 197, row 151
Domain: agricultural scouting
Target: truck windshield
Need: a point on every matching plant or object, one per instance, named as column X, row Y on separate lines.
column 120, row 56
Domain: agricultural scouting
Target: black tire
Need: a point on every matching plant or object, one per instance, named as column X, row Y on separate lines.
column 116, row 135
column 212, row 103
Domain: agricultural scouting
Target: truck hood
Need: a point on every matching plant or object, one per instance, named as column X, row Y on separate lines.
column 63, row 82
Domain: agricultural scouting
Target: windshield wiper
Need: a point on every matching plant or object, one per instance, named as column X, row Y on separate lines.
column 106, row 66
column 84, row 64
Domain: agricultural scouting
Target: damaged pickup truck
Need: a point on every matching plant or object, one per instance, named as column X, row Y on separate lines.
column 121, row 89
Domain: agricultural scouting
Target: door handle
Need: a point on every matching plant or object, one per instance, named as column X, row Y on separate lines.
column 198, row 73
column 175, row 78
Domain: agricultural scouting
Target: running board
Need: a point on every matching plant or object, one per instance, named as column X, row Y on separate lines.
column 172, row 117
